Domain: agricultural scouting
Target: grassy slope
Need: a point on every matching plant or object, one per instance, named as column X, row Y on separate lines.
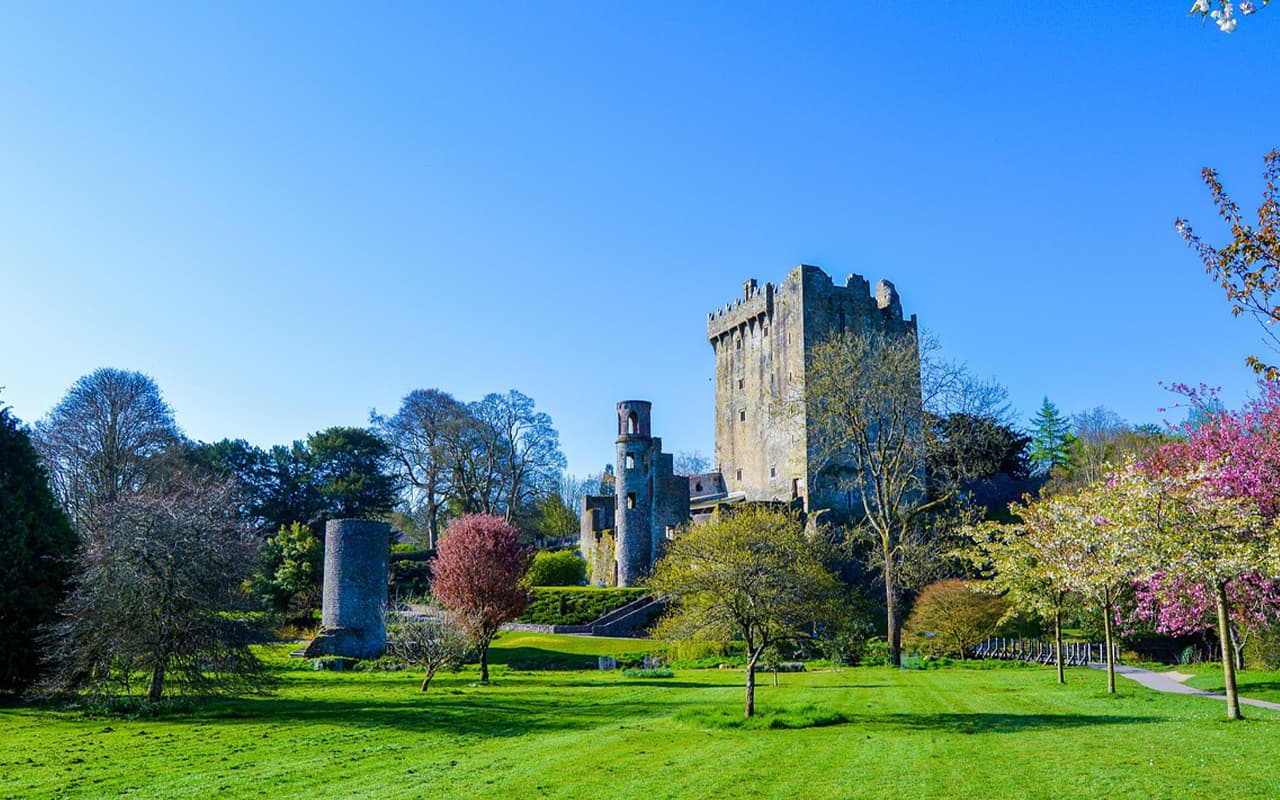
column 943, row 733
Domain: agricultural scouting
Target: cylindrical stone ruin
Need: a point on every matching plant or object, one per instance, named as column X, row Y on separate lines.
column 353, row 615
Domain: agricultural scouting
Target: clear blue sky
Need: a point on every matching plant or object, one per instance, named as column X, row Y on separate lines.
column 290, row 214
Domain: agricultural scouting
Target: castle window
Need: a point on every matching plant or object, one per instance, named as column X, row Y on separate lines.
column 766, row 331
column 631, row 499
column 742, row 416
column 739, row 474
column 697, row 487
column 739, row 342
column 633, row 425
column 773, row 472
column 631, row 461
column 741, row 383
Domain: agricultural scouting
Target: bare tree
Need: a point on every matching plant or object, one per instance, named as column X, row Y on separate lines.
column 158, row 569
column 97, row 441
column 691, row 462
column 865, row 398
column 431, row 643
column 529, row 448
column 418, row 436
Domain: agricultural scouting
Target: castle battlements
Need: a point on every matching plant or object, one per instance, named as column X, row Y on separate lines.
column 755, row 305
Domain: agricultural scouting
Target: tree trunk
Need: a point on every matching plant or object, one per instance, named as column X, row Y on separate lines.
column 433, row 525
column 893, row 627
column 427, row 681
column 156, row 689
column 1057, row 643
column 751, row 685
column 1111, row 650
column 484, row 663
column 1228, row 657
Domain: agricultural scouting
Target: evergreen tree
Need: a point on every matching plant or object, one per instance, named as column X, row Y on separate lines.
column 36, row 548
column 1051, row 439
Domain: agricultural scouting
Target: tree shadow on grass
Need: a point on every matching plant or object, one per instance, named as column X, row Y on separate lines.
column 996, row 723
column 473, row 712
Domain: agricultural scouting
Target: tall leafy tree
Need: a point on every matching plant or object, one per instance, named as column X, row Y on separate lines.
column 97, row 441
column 348, row 470
column 754, row 576
column 1051, row 439
column 36, row 549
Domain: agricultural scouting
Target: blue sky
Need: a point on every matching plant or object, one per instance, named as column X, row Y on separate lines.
column 291, row 214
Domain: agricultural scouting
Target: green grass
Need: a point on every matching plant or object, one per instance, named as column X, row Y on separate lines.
column 1250, row 683
column 853, row 733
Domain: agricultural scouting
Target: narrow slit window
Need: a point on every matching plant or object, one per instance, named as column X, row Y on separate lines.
column 739, row 474
column 631, row 499
column 742, row 416
column 773, row 472
column 741, row 383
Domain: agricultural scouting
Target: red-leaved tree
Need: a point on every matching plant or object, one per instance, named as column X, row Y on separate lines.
column 476, row 575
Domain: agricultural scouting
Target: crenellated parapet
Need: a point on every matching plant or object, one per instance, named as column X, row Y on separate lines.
column 754, row 307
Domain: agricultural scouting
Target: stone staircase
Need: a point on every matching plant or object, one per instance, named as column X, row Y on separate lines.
column 629, row 620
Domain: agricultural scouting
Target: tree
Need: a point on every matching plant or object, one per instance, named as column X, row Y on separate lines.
column 1025, row 564
column 431, row 642
column 1248, row 266
column 290, row 565
column 418, row 440
column 690, row 462
column 1189, row 529
column 347, row 467
column 949, row 617
column 37, row 544
column 1051, row 439
column 158, row 569
column 477, row 573
column 753, row 575
column 554, row 521
column 96, row 442
column 866, row 397
column 1093, row 557
column 527, row 449
column 1224, row 15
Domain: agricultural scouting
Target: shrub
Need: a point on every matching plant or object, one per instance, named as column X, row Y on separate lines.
column 949, row 617
column 557, row 568
column 875, row 652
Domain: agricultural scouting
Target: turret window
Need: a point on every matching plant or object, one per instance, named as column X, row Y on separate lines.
column 633, row 425
column 631, row 499
column 631, row 461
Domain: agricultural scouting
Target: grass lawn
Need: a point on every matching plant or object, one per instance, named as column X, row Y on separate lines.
column 1250, row 683
column 865, row 732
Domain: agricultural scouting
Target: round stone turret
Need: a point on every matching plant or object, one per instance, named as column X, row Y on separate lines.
column 353, row 614
column 633, row 419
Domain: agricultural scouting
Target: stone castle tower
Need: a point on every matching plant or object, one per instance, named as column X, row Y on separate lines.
column 761, row 343
column 622, row 535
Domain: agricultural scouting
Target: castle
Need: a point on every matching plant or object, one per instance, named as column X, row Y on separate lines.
column 761, row 343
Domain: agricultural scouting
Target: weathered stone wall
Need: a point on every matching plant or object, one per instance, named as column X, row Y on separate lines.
column 761, row 343
column 596, row 539
column 353, row 613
